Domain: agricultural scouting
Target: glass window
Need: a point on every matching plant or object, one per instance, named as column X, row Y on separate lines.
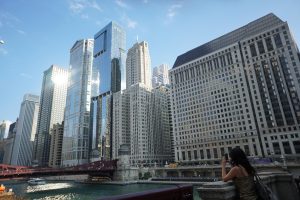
column 287, row 148
column 276, row 148
column 253, row 50
column 269, row 44
column 277, row 40
column 260, row 46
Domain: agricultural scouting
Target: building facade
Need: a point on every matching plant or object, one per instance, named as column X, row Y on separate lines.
column 121, row 125
column 142, row 125
column 160, row 75
column 26, row 130
column 52, row 106
column 9, row 144
column 141, row 128
column 4, row 127
column 138, row 65
column 108, row 77
column 57, row 133
column 77, row 113
column 241, row 89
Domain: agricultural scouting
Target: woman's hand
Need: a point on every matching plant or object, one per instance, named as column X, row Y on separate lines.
column 223, row 162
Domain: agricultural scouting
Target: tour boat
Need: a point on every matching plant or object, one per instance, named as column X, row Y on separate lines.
column 36, row 181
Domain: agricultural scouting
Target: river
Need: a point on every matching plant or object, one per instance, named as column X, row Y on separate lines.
column 69, row 190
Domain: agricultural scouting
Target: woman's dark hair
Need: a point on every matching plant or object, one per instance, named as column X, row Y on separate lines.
column 238, row 157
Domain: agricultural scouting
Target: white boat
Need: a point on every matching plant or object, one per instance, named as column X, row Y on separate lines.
column 37, row 181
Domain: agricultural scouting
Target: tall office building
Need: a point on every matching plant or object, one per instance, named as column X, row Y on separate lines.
column 141, row 126
column 160, row 75
column 52, row 106
column 121, row 125
column 108, row 77
column 4, row 127
column 10, row 143
column 77, row 113
column 57, row 133
column 138, row 65
column 241, row 89
column 26, row 130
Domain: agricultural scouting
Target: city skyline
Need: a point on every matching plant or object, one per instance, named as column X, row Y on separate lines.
column 81, row 19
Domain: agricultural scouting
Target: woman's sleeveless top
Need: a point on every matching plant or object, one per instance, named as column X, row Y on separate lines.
column 246, row 187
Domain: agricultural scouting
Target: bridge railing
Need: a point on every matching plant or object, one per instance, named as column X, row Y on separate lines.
column 177, row 192
column 8, row 170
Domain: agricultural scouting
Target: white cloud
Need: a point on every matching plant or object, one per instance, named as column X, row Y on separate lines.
column 28, row 76
column 3, row 51
column 145, row 1
column 95, row 5
column 9, row 20
column 77, row 6
column 173, row 10
column 21, row 32
column 84, row 16
column 121, row 3
column 129, row 22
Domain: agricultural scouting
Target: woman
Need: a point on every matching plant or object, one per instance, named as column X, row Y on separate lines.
column 242, row 174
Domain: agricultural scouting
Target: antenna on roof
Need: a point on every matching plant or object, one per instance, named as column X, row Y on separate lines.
column 137, row 38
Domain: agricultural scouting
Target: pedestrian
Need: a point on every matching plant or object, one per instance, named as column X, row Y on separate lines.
column 241, row 173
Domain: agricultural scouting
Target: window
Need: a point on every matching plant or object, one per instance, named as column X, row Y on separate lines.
column 183, row 155
column 195, row 155
column 269, row 44
column 189, row 155
column 253, row 50
column 297, row 146
column 277, row 40
column 201, row 154
column 287, row 148
column 276, row 148
column 246, row 148
column 215, row 153
column 260, row 46
column 208, row 154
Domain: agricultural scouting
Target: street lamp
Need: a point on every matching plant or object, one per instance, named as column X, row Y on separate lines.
column 1, row 42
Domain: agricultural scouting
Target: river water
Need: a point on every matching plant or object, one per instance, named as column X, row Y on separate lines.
column 68, row 190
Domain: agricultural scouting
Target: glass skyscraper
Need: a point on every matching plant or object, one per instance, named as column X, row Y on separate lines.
column 76, row 121
column 108, row 77
column 52, row 105
column 26, row 130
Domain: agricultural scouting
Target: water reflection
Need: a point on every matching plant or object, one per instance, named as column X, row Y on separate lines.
column 47, row 187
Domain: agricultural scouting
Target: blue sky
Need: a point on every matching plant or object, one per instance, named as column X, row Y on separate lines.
column 38, row 33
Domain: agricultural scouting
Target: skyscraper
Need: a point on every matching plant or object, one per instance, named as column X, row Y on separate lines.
column 10, row 143
column 241, row 89
column 26, row 130
column 56, row 145
column 138, row 65
column 160, row 75
column 52, row 106
column 4, row 127
column 77, row 113
column 108, row 77
column 141, row 115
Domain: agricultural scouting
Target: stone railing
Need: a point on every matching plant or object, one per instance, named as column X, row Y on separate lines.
column 282, row 184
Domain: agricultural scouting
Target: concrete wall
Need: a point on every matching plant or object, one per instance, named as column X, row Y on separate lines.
column 282, row 184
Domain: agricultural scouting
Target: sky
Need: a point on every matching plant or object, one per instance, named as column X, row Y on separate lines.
column 39, row 33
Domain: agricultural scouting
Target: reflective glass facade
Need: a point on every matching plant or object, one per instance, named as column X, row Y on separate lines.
column 52, row 105
column 76, row 135
column 108, row 77
column 110, row 43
